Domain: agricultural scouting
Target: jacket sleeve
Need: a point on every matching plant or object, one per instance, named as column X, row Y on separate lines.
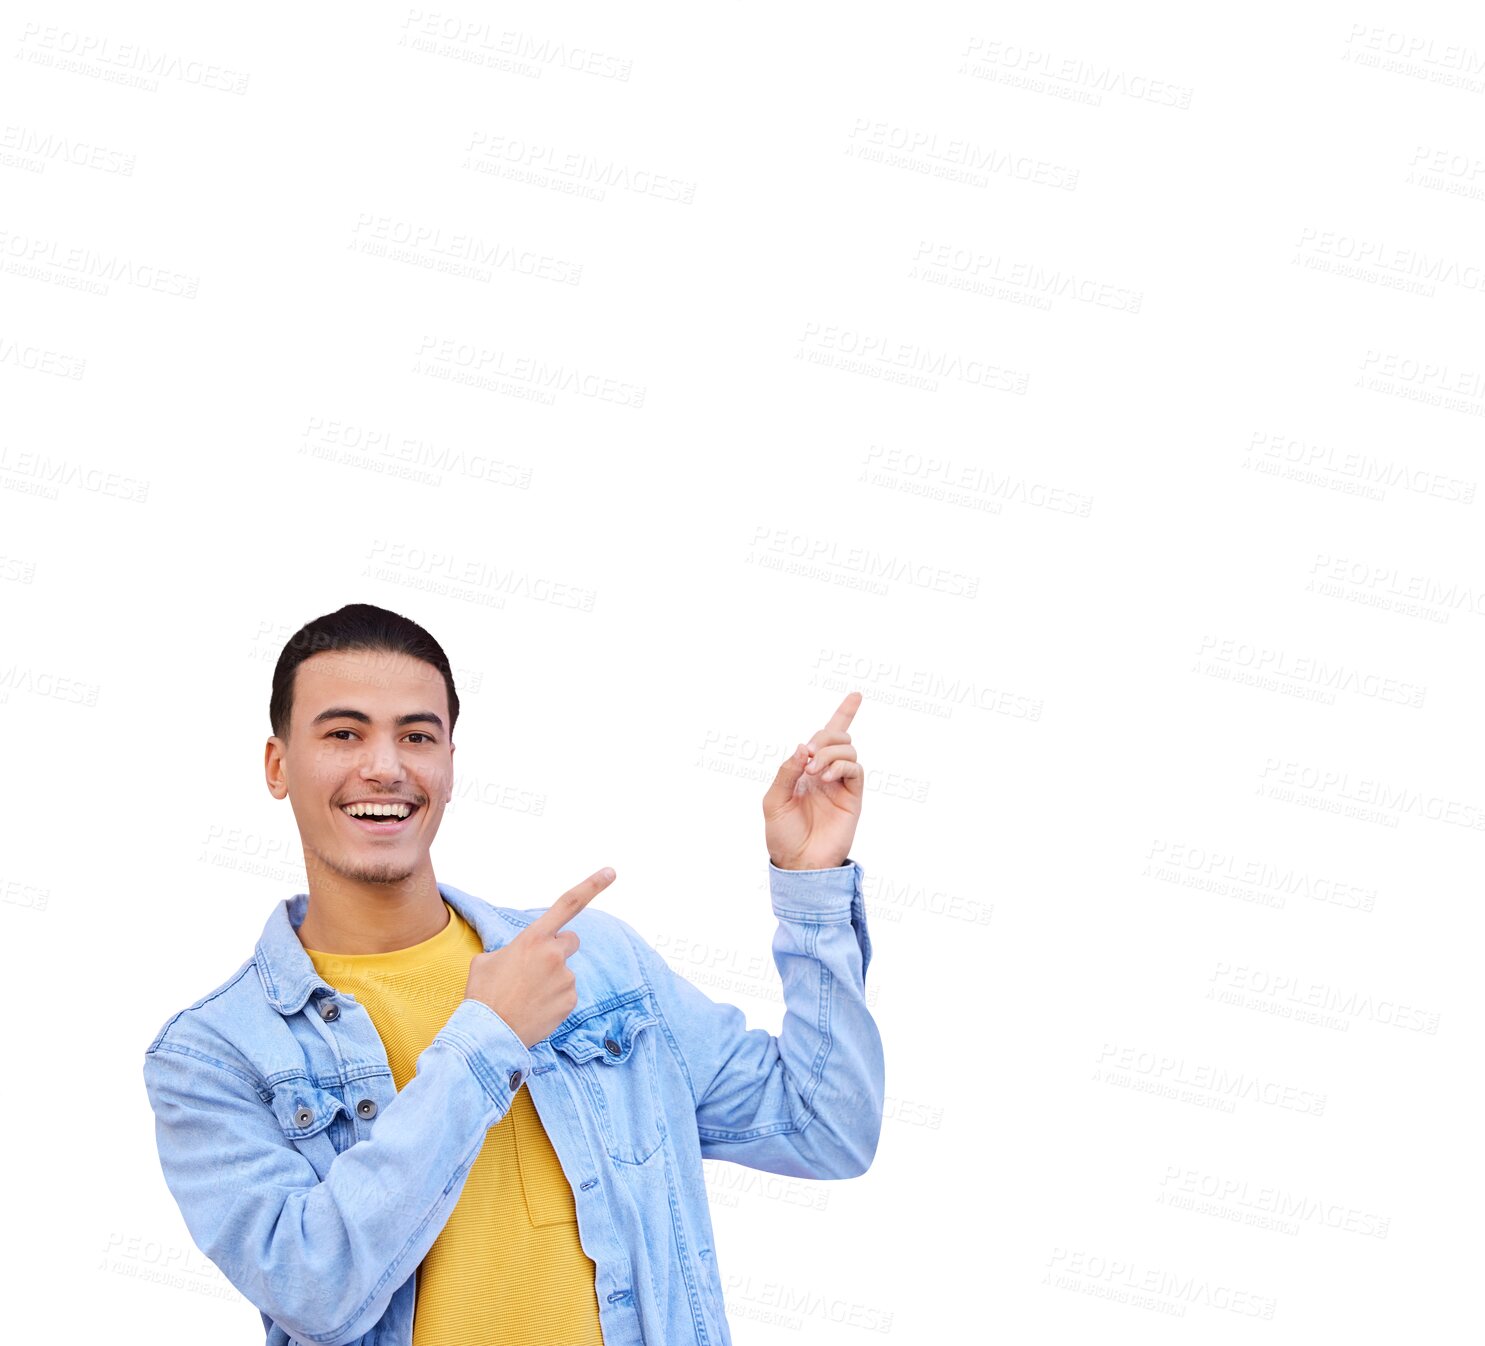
column 807, row 1103
column 323, row 1258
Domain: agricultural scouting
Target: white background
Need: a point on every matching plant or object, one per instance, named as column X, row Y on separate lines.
column 1098, row 391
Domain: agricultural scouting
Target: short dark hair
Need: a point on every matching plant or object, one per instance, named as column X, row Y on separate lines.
column 357, row 626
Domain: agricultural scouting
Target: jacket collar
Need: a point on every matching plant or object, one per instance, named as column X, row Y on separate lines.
column 289, row 977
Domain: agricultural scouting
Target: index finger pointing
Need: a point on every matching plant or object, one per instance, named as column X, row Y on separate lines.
column 569, row 904
column 841, row 720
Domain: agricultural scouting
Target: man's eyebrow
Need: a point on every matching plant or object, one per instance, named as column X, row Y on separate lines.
column 346, row 713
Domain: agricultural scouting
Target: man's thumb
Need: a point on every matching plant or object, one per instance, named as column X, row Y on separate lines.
column 790, row 770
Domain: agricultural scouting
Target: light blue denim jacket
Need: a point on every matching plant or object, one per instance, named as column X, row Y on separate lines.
column 318, row 1187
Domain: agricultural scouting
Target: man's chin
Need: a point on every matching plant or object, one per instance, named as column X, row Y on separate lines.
column 370, row 871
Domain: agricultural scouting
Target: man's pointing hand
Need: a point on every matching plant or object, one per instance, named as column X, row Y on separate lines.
column 811, row 809
column 527, row 981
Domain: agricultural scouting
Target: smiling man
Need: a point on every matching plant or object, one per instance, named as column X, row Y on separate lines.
column 416, row 1118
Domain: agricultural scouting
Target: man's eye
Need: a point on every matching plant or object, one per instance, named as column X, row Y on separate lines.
column 418, row 734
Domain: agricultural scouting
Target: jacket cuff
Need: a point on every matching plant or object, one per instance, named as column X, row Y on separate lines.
column 497, row 1056
column 821, row 895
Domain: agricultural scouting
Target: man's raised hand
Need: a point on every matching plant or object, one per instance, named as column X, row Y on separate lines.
column 527, row 981
column 811, row 809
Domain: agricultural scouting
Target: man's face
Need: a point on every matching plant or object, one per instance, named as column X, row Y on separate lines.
column 367, row 726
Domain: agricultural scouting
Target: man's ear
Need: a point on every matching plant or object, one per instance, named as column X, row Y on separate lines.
column 448, row 797
column 273, row 767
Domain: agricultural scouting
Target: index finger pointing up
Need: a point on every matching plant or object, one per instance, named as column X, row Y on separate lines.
column 841, row 720
column 569, row 904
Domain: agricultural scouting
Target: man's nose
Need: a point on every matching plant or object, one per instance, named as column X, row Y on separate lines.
column 381, row 760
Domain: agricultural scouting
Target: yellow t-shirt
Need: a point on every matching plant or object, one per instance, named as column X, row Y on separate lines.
column 507, row 1266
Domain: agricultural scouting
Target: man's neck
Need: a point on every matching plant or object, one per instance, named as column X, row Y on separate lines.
column 344, row 916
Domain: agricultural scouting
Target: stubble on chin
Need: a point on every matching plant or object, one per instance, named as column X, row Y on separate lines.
column 380, row 871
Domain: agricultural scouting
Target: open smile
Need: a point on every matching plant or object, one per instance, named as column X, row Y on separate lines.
column 380, row 820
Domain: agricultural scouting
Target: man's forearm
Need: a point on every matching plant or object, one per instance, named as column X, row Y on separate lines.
column 283, row 1236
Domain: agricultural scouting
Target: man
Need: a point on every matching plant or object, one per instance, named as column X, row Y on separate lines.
column 413, row 1118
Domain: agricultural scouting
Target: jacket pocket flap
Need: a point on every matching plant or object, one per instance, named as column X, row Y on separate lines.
column 303, row 1108
column 608, row 1034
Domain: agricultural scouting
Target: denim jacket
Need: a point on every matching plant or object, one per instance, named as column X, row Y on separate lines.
column 318, row 1187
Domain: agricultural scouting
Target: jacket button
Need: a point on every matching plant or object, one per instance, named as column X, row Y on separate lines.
column 611, row 1047
column 366, row 1108
column 329, row 1011
column 515, row 1080
column 303, row 1117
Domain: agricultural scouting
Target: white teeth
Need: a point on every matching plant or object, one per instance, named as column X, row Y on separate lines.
column 377, row 810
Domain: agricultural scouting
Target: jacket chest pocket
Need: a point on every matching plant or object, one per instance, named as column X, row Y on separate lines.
column 612, row 1053
column 315, row 1121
